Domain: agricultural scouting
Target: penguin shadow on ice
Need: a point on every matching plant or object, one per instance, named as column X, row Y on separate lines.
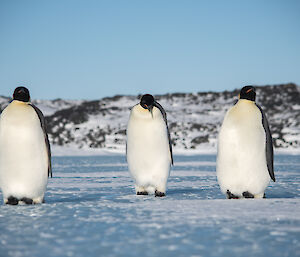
column 148, row 148
column 25, row 155
column 245, row 150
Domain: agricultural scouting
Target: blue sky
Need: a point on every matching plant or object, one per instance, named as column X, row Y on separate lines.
column 90, row 49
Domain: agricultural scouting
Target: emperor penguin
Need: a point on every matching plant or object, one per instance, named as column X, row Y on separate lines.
column 245, row 150
column 25, row 156
column 149, row 148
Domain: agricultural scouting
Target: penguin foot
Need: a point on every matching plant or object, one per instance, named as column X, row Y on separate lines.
column 159, row 194
column 12, row 200
column 231, row 196
column 27, row 200
column 142, row 193
column 248, row 195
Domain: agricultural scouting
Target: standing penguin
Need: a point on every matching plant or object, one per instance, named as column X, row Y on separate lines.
column 149, row 148
column 245, row 150
column 25, row 156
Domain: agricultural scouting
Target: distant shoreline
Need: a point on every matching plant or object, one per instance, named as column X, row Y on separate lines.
column 58, row 151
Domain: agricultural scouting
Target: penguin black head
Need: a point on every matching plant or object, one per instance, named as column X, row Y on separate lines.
column 147, row 102
column 21, row 94
column 248, row 93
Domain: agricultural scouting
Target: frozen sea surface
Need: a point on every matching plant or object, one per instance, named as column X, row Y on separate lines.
column 91, row 210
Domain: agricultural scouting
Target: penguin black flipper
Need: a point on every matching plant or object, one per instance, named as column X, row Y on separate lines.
column 269, row 144
column 156, row 104
column 43, row 125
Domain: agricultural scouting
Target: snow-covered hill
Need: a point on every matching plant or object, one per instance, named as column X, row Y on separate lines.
column 48, row 107
column 194, row 118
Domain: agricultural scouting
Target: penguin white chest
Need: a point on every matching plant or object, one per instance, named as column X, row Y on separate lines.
column 148, row 153
column 23, row 153
column 241, row 161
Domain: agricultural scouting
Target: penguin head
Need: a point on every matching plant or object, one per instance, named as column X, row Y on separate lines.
column 248, row 93
column 147, row 102
column 21, row 94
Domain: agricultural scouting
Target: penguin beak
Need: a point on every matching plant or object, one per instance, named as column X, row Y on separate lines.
column 150, row 109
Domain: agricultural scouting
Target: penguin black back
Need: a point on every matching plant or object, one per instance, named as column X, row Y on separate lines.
column 21, row 94
column 248, row 93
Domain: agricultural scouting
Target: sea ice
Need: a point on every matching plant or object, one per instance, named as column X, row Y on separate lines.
column 91, row 210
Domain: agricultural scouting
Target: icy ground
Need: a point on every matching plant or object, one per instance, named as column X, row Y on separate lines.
column 91, row 210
